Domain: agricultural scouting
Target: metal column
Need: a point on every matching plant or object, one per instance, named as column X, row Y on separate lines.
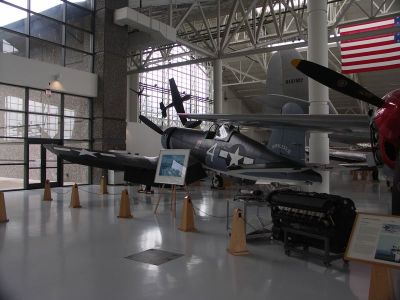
column 318, row 93
column 218, row 86
column 132, row 99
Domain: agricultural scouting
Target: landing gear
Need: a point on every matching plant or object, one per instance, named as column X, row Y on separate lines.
column 217, row 182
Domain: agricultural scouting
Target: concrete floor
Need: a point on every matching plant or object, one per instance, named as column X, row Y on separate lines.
column 49, row 251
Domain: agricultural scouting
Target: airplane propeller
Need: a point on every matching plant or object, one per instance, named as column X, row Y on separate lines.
column 336, row 81
column 151, row 124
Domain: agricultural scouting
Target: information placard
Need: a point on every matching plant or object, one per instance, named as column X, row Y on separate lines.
column 375, row 239
column 172, row 166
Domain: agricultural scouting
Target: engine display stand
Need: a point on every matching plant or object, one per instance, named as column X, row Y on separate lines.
column 326, row 258
column 244, row 202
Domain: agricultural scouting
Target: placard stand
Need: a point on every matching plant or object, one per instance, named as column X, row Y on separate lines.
column 173, row 199
column 381, row 284
column 171, row 169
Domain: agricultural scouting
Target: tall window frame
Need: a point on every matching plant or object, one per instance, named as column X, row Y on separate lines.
column 193, row 79
column 69, row 41
column 13, row 134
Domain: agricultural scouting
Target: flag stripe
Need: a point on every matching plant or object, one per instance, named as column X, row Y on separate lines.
column 371, row 69
column 367, row 57
column 375, row 52
column 371, row 61
column 385, row 47
column 370, row 53
column 366, row 27
column 371, row 45
column 366, row 41
column 372, row 65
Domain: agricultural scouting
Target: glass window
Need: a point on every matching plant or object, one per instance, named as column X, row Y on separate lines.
column 76, row 129
column 84, row 3
column 44, row 126
column 20, row 3
column 79, row 17
column 78, row 60
column 12, row 124
column 13, row 18
column 46, row 29
column 39, row 102
column 11, row 177
column 50, row 8
column 45, row 52
column 13, row 43
column 11, row 151
column 34, row 175
column 75, row 174
column 78, row 39
column 75, row 106
column 191, row 80
column 12, row 97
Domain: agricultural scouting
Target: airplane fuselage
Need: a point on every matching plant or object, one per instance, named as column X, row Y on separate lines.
column 223, row 154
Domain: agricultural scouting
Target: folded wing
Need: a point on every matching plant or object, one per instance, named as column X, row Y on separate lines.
column 323, row 123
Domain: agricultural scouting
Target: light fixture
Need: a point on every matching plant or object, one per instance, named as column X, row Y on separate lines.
column 55, row 84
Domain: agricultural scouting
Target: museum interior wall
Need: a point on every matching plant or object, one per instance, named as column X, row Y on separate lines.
column 45, row 45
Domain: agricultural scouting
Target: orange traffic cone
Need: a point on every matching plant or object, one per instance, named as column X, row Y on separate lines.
column 125, row 206
column 47, row 191
column 237, row 243
column 75, row 197
column 187, row 221
column 3, row 213
column 103, row 185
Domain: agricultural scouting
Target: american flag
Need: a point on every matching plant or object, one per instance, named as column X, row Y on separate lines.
column 377, row 52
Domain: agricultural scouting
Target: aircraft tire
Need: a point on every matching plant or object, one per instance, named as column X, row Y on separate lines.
column 217, row 182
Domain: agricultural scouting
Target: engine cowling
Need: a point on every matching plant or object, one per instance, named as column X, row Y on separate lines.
column 387, row 124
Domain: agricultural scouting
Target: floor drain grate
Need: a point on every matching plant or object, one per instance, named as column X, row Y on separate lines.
column 154, row 256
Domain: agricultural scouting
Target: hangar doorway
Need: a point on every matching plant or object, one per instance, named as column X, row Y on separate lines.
column 43, row 164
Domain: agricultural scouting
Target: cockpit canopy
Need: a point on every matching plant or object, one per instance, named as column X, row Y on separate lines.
column 221, row 132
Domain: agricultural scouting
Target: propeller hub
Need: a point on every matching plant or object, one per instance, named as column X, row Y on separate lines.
column 165, row 138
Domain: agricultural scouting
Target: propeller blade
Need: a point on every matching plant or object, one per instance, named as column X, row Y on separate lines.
column 151, row 124
column 336, row 81
column 163, row 110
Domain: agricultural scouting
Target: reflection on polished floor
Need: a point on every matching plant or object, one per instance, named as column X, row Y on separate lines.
column 49, row 251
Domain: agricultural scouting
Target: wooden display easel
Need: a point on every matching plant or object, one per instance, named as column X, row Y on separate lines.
column 173, row 199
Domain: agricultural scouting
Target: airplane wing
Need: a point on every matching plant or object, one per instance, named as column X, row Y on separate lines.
column 324, row 123
column 288, row 175
column 274, row 103
column 138, row 169
column 361, row 137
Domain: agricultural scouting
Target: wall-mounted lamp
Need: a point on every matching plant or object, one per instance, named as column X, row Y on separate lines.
column 55, row 84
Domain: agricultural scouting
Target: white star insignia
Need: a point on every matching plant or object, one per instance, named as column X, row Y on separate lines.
column 235, row 157
column 85, row 152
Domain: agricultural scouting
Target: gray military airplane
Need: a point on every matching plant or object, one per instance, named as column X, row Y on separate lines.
column 222, row 149
column 383, row 124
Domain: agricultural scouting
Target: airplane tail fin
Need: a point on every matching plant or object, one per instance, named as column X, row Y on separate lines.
column 289, row 142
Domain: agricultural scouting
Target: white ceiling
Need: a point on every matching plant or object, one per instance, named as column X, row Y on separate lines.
column 379, row 82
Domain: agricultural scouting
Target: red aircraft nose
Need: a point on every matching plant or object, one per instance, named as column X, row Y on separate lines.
column 387, row 121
